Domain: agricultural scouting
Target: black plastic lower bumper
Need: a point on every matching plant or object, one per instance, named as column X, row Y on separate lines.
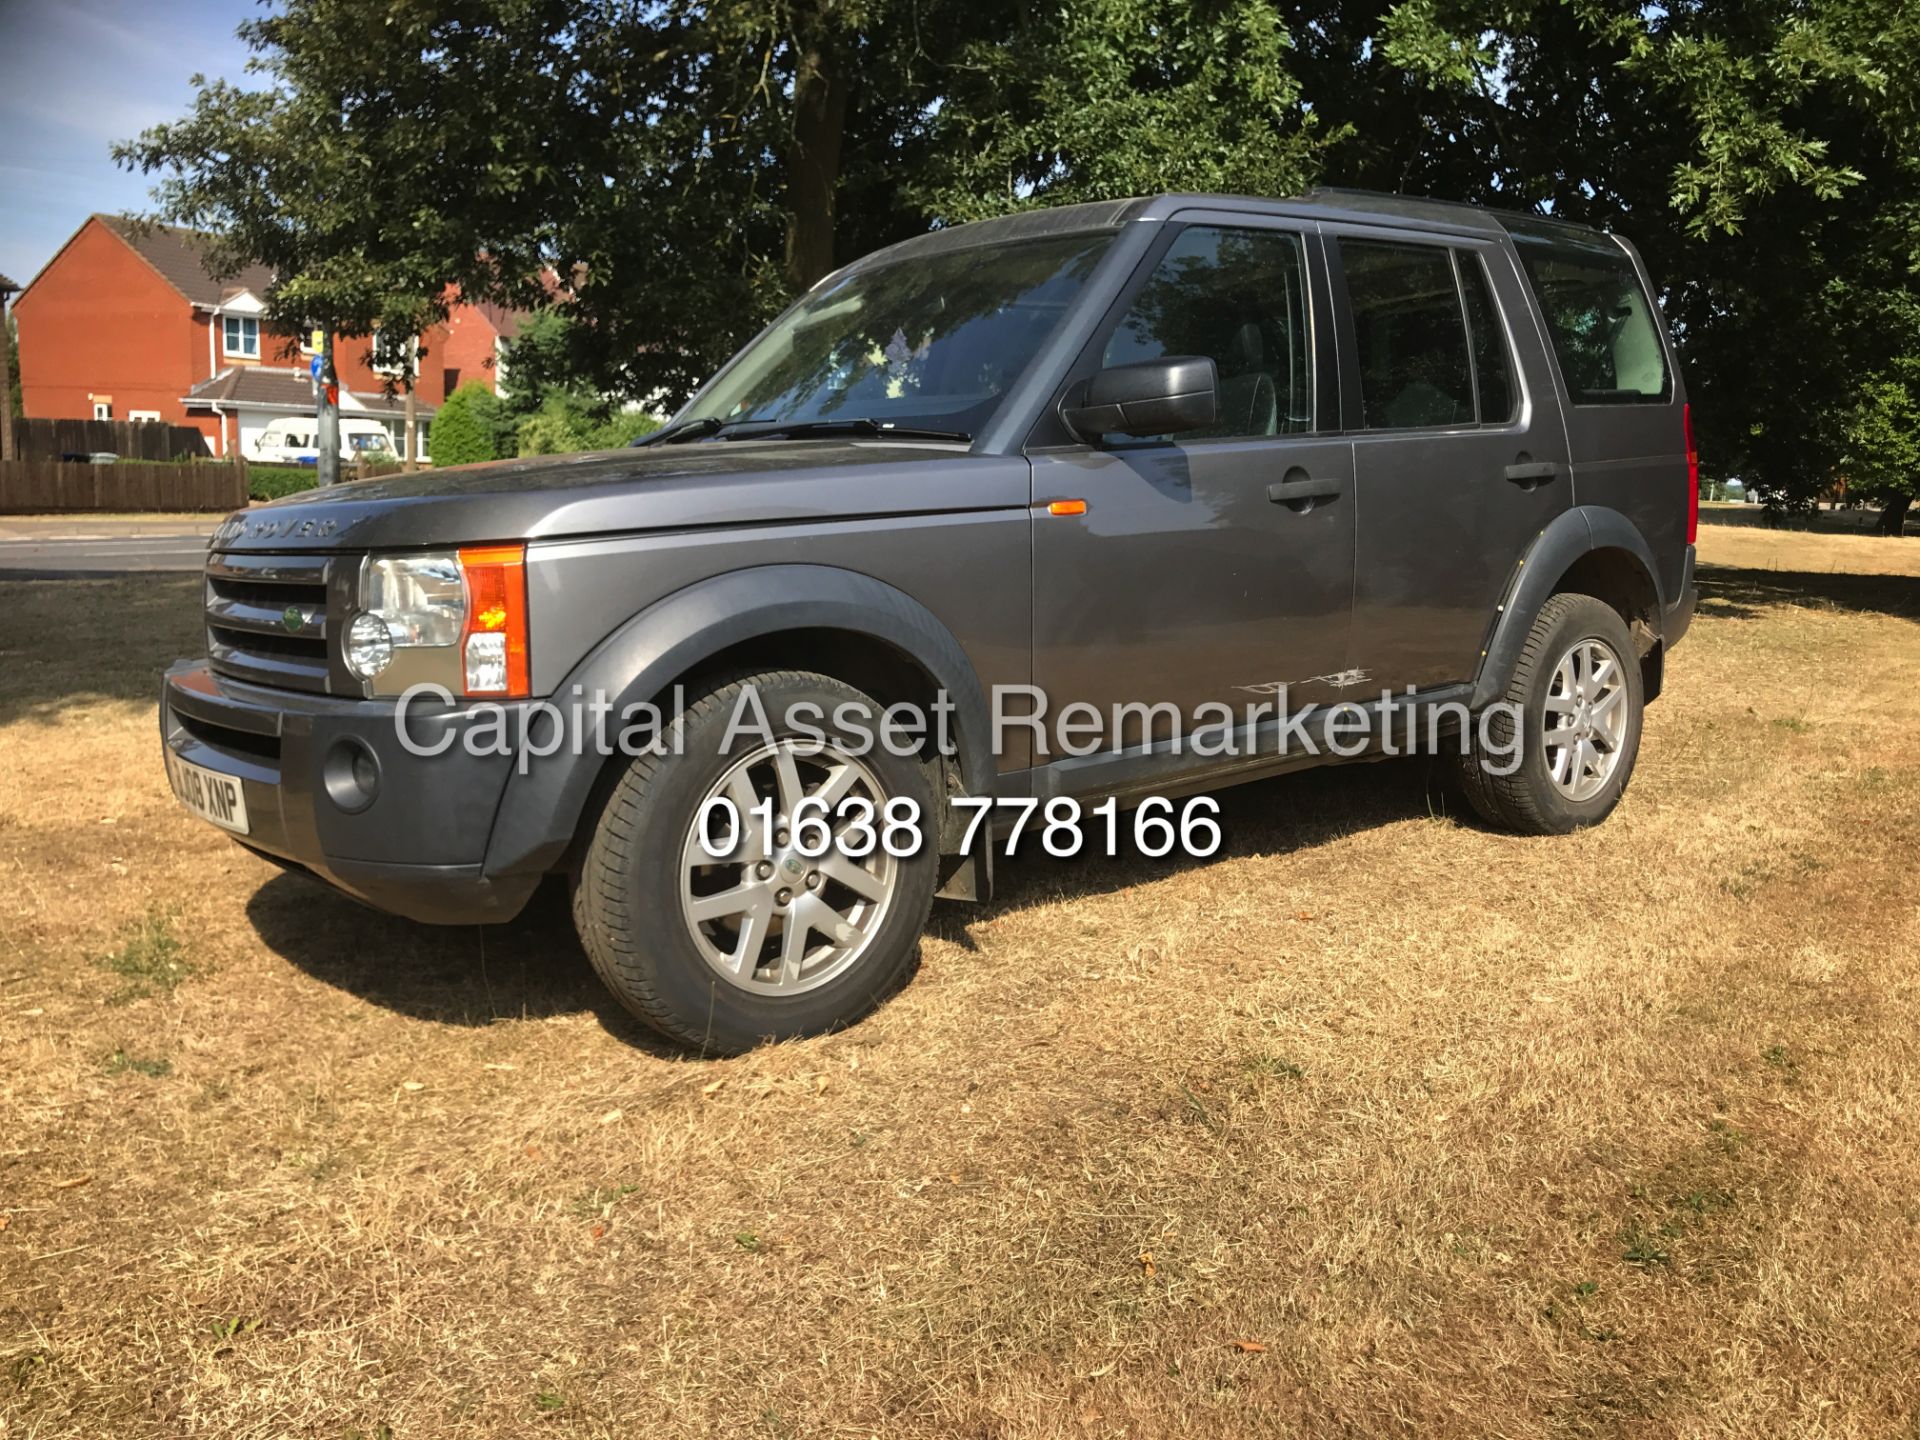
column 410, row 840
column 1679, row 617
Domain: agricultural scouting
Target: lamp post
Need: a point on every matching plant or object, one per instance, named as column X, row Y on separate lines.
column 327, row 403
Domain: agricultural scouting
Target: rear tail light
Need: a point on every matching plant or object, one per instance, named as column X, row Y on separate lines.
column 1693, row 475
column 493, row 647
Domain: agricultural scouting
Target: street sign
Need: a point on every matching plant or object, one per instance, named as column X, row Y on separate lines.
column 313, row 367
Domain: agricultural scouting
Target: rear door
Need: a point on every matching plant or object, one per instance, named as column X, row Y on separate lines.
column 1460, row 451
column 1207, row 566
column 1625, row 404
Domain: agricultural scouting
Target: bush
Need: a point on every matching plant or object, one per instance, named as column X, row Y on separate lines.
column 625, row 427
column 463, row 432
column 271, row 482
column 563, row 427
column 557, row 428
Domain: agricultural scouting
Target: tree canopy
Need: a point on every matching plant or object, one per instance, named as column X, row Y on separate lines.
column 687, row 168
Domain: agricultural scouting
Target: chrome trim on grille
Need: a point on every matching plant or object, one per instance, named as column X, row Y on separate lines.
column 248, row 601
column 310, row 624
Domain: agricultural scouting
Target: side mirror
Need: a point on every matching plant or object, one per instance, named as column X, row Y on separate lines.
column 1149, row 397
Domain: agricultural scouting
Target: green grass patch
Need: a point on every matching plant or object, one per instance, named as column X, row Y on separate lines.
column 121, row 1063
column 150, row 960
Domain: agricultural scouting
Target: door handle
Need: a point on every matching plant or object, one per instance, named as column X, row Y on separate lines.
column 1300, row 495
column 1529, row 475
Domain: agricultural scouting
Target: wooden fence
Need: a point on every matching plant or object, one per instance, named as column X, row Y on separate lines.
column 30, row 487
column 42, row 439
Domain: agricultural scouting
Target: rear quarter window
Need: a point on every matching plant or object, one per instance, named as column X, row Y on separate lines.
column 1605, row 330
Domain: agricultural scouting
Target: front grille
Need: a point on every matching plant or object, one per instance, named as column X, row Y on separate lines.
column 267, row 619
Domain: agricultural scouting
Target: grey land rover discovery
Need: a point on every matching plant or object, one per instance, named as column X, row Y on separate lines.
column 1369, row 456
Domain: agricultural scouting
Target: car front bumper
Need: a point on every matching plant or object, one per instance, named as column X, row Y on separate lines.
column 415, row 846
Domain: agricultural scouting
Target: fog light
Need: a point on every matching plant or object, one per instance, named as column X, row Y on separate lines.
column 369, row 646
column 351, row 775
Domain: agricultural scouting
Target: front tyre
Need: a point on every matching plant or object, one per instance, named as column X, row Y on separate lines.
column 1577, row 694
column 765, row 888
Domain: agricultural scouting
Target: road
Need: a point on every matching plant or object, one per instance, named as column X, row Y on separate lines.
column 76, row 548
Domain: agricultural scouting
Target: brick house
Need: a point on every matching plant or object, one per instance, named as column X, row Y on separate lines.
column 127, row 323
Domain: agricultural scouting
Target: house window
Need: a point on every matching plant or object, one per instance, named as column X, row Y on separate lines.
column 243, row 336
column 103, row 409
column 143, row 414
column 392, row 358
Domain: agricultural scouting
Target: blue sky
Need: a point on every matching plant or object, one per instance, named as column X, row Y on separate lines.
column 76, row 75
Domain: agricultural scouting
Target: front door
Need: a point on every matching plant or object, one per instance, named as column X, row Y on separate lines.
column 1459, row 464
column 1211, row 566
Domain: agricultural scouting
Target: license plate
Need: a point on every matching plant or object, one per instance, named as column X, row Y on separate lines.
column 209, row 794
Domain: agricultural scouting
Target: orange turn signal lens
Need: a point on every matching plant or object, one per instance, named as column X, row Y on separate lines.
column 493, row 647
column 1067, row 507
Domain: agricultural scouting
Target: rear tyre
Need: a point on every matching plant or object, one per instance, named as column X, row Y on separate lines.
column 1577, row 694
column 737, row 892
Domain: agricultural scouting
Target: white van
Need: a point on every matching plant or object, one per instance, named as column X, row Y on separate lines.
column 295, row 440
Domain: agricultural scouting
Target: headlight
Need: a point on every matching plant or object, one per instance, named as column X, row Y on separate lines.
column 451, row 618
column 423, row 598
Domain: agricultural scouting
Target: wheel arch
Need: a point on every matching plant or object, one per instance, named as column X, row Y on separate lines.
column 856, row 628
column 1589, row 550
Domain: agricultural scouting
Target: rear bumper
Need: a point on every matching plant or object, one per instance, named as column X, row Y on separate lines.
column 415, row 848
column 1679, row 616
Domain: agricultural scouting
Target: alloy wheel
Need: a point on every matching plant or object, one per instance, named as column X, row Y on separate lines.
column 1586, row 719
column 801, row 885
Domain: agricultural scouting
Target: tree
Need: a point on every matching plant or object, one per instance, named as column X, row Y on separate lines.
column 1112, row 98
column 686, row 168
column 464, row 430
column 1881, row 455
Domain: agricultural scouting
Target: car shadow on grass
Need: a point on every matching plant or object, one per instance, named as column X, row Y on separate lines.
column 1727, row 593
column 531, row 968
column 534, row 968
column 1273, row 817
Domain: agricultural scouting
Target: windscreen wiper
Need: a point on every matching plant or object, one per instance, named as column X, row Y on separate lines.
column 866, row 425
column 686, row 430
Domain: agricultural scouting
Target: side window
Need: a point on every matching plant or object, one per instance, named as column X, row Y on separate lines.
column 1412, row 337
column 1239, row 296
column 1492, row 364
column 1606, row 333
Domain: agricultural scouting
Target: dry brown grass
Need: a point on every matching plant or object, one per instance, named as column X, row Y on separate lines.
column 1476, row 1135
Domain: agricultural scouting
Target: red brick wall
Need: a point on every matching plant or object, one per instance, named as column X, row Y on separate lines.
column 353, row 359
column 468, row 351
column 101, row 322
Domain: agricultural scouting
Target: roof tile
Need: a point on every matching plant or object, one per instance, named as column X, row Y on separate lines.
column 179, row 255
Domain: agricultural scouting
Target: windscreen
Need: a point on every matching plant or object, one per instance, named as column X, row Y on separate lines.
column 933, row 341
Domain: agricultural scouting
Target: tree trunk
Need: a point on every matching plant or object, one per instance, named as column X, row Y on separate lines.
column 6, row 383
column 813, row 161
column 413, row 426
column 1893, row 519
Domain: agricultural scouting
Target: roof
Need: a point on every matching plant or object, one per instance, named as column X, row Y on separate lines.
column 7, row 287
column 1040, row 222
column 288, row 390
column 1457, row 216
column 179, row 255
column 506, row 323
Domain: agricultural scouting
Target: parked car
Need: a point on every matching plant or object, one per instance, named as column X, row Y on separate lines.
column 295, row 440
column 1378, row 456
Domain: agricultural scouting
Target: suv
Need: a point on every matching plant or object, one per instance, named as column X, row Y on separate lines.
column 1362, row 456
